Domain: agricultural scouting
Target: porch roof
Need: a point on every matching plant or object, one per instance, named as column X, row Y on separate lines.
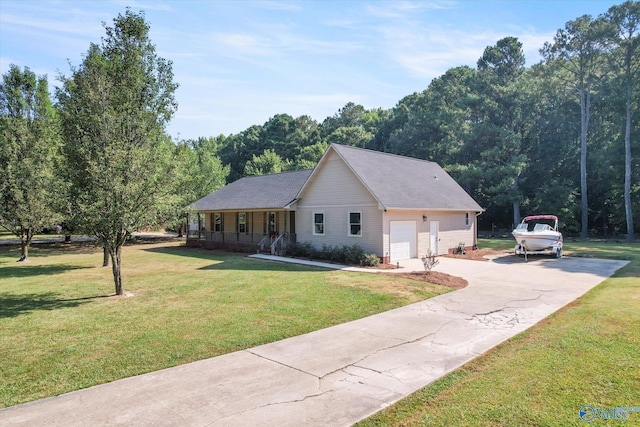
column 255, row 192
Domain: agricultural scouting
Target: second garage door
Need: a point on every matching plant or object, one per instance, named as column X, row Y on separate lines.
column 402, row 238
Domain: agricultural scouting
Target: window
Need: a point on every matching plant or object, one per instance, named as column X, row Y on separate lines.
column 355, row 224
column 242, row 222
column 217, row 222
column 318, row 223
column 466, row 219
column 273, row 228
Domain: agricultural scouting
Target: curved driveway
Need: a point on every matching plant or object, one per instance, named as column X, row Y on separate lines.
column 339, row 375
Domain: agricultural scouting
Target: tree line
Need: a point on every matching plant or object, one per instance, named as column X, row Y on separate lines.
column 556, row 137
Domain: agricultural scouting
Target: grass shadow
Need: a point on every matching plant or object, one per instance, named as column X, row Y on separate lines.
column 252, row 264
column 198, row 253
column 232, row 260
column 26, row 270
column 13, row 305
column 50, row 249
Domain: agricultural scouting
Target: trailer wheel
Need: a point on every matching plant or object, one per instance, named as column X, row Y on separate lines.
column 559, row 253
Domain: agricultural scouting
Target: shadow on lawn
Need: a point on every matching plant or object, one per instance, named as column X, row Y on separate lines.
column 27, row 270
column 198, row 253
column 252, row 264
column 224, row 260
column 13, row 305
column 52, row 249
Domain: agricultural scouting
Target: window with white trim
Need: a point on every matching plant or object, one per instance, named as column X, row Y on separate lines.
column 242, row 222
column 355, row 224
column 318, row 223
column 217, row 222
column 466, row 219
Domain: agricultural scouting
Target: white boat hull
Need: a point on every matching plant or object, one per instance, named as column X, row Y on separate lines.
column 533, row 241
column 535, row 235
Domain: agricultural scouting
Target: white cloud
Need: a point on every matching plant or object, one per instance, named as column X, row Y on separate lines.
column 404, row 9
column 244, row 44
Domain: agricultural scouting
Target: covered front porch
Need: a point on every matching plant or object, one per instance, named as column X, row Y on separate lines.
column 256, row 230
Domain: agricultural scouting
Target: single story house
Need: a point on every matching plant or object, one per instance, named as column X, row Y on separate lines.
column 393, row 206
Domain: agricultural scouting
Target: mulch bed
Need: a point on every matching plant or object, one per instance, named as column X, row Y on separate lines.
column 434, row 277
column 444, row 279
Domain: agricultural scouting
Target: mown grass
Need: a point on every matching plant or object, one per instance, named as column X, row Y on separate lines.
column 61, row 328
column 5, row 235
column 587, row 353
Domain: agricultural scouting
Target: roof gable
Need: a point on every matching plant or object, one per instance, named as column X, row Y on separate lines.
column 399, row 182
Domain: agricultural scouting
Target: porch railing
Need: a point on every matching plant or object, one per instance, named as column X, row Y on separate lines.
column 272, row 243
column 234, row 237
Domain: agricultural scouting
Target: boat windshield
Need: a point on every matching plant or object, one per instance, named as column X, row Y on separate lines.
column 522, row 227
column 541, row 227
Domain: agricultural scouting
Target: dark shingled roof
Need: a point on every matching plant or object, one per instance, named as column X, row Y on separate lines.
column 255, row 192
column 405, row 183
column 397, row 182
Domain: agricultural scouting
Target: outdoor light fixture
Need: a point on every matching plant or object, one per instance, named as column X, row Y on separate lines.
column 424, row 218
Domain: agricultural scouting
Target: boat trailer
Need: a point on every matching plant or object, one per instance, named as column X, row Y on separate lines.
column 521, row 249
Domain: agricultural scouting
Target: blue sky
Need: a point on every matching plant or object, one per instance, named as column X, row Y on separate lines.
column 239, row 63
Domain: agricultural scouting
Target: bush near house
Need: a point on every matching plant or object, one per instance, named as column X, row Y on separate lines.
column 370, row 260
column 343, row 254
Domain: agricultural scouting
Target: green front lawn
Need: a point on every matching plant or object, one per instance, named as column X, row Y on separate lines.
column 588, row 353
column 61, row 330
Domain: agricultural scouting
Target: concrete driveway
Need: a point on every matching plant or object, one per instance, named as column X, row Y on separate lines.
column 339, row 375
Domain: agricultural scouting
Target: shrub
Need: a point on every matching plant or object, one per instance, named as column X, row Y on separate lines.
column 352, row 254
column 304, row 250
column 429, row 261
column 344, row 254
column 327, row 252
column 370, row 260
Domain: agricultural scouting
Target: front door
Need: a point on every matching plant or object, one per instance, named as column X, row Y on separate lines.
column 272, row 223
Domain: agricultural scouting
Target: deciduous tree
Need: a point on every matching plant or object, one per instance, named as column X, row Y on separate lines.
column 267, row 163
column 29, row 143
column 114, row 110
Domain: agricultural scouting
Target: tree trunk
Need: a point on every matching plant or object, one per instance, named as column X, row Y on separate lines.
column 115, row 266
column 585, row 101
column 24, row 250
column 105, row 257
column 25, row 240
column 516, row 202
column 627, row 168
column 516, row 213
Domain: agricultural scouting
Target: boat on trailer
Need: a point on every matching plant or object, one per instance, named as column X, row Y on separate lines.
column 538, row 234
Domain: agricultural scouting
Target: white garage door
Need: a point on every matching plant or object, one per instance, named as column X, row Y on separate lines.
column 402, row 237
